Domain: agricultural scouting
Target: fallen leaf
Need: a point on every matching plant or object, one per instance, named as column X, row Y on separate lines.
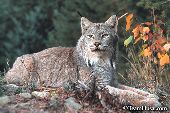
column 167, row 47
column 128, row 41
column 147, row 52
column 129, row 21
column 164, row 60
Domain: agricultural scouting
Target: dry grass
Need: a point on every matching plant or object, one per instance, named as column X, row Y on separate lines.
column 144, row 74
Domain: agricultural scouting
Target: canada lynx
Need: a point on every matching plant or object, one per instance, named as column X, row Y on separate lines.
column 93, row 58
column 92, row 62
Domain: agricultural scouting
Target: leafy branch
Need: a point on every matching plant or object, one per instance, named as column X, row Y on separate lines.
column 155, row 45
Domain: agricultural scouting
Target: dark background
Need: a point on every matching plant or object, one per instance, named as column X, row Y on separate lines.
column 28, row 26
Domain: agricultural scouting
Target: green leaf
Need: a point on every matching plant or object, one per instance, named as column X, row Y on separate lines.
column 128, row 41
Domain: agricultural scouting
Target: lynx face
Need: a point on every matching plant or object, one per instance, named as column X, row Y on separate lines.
column 98, row 41
column 99, row 37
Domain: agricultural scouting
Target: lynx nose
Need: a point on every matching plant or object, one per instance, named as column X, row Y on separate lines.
column 97, row 44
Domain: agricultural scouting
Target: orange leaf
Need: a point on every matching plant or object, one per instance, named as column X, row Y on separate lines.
column 137, row 40
column 140, row 28
column 129, row 21
column 145, row 38
column 146, row 30
column 147, row 52
column 159, row 55
column 136, row 30
column 164, row 60
column 167, row 46
column 158, row 46
column 155, row 60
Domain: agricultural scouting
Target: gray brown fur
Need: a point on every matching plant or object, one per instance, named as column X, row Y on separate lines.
column 93, row 58
column 91, row 62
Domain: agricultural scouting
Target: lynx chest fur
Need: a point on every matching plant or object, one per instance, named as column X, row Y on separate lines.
column 92, row 58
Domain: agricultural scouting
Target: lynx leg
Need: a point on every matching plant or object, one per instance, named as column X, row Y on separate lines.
column 135, row 99
column 138, row 91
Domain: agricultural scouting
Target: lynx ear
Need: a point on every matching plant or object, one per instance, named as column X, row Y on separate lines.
column 112, row 21
column 85, row 23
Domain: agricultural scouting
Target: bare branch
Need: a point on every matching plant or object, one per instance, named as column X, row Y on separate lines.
column 122, row 16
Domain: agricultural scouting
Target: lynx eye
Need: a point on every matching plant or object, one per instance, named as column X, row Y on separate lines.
column 105, row 35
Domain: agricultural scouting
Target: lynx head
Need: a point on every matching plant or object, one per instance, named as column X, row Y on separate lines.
column 98, row 39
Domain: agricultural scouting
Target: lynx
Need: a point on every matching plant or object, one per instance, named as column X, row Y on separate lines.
column 92, row 62
column 92, row 59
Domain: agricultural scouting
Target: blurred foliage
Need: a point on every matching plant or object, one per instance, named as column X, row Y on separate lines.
column 2, row 82
column 31, row 26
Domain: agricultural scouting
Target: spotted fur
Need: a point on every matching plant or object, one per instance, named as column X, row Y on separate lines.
column 97, row 47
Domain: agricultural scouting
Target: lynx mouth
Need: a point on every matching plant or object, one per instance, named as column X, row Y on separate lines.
column 96, row 49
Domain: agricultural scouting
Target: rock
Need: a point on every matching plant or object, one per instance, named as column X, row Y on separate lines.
column 25, row 95
column 53, row 101
column 4, row 110
column 11, row 88
column 39, row 94
column 54, row 97
column 13, row 98
column 4, row 100
column 72, row 105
